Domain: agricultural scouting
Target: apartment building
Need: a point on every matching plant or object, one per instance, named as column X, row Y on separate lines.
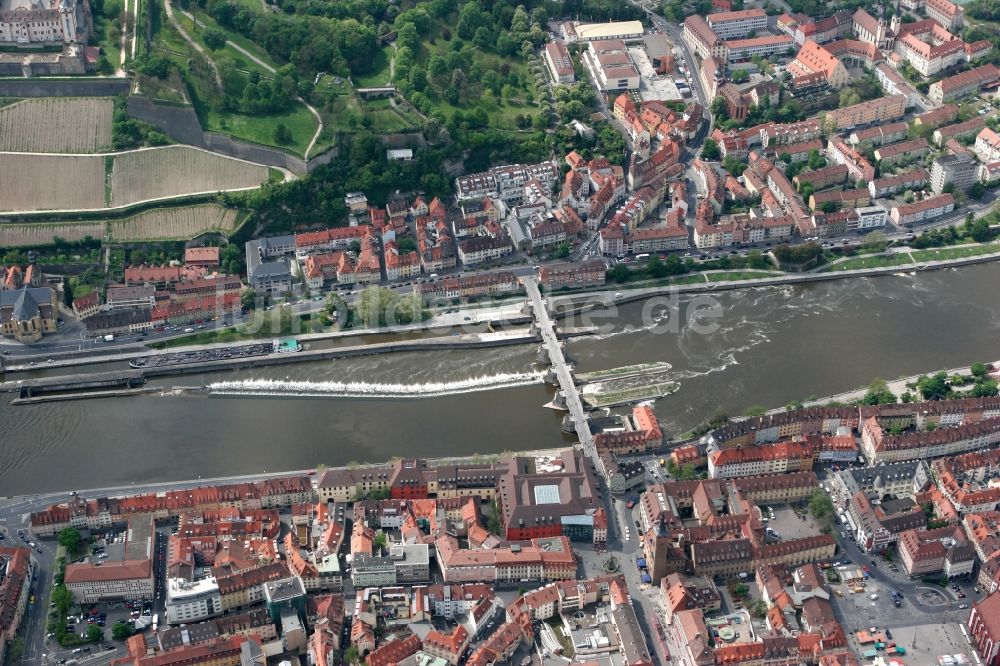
column 611, row 64
column 987, row 145
column 591, row 272
column 480, row 249
column 958, row 171
column 126, row 574
column 192, row 601
column 871, row 217
column 928, row 47
column 926, row 209
column 965, row 83
column 657, row 239
column 755, row 460
column 559, row 63
column 892, row 153
column 739, row 50
column 701, row 39
column 946, row 13
column 733, row 25
column 964, row 437
column 16, row 570
column 879, row 110
column 889, row 185
column 943, row 550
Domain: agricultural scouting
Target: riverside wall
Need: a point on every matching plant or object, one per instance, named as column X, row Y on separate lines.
column 572, row 304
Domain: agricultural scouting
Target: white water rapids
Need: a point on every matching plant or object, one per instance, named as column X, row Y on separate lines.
column 333, row 389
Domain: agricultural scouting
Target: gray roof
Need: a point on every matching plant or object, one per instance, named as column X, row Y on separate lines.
column 865, row 476
column 26, row 301
column 950, row 160
column 25, row 307
column 516, row 229
column 271, row 269
column 277, row 241
column 130, row 293
column 193, row 633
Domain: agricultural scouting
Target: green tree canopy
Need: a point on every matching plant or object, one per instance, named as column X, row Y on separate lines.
column 878, row 394
column 710, row 150
column 69, row 538
column 935, row 387
column 95, row 633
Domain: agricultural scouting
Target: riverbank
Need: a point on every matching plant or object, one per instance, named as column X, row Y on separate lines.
column 570, row 304
column 897, row 386
column 187, row 484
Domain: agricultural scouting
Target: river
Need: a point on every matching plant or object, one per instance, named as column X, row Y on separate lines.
column 771, row 346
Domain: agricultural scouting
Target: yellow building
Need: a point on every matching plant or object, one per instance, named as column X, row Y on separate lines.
column 28, row 313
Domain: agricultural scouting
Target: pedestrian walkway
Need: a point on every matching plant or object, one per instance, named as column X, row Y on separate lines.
column 561, row 368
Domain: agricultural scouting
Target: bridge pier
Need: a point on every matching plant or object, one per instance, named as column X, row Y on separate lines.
column 568, row 395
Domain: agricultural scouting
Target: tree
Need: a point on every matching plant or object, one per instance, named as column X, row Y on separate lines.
column 878, row 394
column 121, row 630
column 16, row 650
column 756, row 259
column 214, row 38
column 379, row 541
column 95, row 634
column 980, row 231
column 248, row 299
column 351, row 655
column 69, row 538
column 740, row 590
column 935, row 387
column 820, row 506
column 876, row 241
column 984, row 389
column 979, row 370
column 740, row 76
column 282, row 134
column 710, row 150
column 67, row 289
column 562, row 251
column 620, row 273
column 62, row 598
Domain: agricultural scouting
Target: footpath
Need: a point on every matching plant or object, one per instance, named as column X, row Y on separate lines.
column 897, row 386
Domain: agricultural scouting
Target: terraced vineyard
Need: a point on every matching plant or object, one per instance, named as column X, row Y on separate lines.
column 176, row 171
column 57, row 125
column 174, row 223
column 51, row 182
column 28, row 235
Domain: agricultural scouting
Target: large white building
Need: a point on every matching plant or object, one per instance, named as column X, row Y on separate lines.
column 40, row 22
column 739, row 24
column 611, row 65
column 587, row 32
column 192, row 601
column 871, row 217
column 127, row 573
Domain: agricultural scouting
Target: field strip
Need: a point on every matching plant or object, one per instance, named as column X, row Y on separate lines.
column 39, row 182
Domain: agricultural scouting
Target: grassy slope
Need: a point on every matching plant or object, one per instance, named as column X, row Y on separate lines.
column 501, row 114
column 252, row 128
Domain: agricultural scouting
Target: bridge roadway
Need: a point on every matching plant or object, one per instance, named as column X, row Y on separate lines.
column 565, row 377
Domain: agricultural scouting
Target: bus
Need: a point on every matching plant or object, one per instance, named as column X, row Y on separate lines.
column 156, row 619
column 640, row 257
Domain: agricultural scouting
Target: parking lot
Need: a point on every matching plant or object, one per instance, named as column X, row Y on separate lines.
column 242, row 351
column 790, row 525
column 924, row 643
